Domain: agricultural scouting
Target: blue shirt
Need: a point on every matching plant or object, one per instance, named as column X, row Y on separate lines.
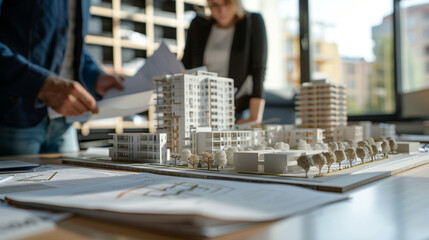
column 33, row 39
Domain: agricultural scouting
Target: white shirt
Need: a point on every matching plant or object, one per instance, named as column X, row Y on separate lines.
column 218, row 50
column 67, row 69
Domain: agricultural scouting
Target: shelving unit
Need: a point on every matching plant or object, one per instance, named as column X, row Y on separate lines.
column 123, row 33
column 160, row 20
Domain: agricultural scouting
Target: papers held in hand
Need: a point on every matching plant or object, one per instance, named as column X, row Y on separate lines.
column 138, row 89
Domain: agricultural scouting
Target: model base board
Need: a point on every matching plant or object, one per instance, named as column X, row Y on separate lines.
column 336, row 181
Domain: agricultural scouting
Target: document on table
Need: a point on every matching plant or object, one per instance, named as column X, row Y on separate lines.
column 142, row 198
column 138, row 89
column 16, row 223
column 15, row 165
column 53, row 176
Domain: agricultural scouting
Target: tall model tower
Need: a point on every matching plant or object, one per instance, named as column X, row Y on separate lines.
column 187, row 101
column 322, row 104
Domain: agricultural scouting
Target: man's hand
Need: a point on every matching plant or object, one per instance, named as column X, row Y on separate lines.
column 66, row 97
column 106, row 82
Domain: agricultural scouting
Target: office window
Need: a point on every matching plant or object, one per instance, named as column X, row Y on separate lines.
column 358, row 34
column 282, row 24
column 415, row 62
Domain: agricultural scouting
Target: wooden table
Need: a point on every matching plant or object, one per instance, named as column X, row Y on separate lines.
column 393, row 208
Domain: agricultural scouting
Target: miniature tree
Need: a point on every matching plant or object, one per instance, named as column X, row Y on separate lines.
column 324, row 146
column 341, row 146
column 351, row 155
column 220, row 159
column 175, row 157
column 341, row 156
column 319, row 160
column 333, row 146
column 303, row 145
column 361, row 152
column 330, row 159
column 317, row 146
column 186, row 153
column 362, row 144
column 385, row 148
column 193, row 160
column 282, row 146
column 207, row 158
column 375, row 151
column 370, row 154
column 393, row 145
column 304, row 163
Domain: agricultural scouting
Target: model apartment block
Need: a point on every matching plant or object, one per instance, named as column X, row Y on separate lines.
column 310, row 135
column 322, row 104
column 140, row 147
column 206, row 140
column 187, row 101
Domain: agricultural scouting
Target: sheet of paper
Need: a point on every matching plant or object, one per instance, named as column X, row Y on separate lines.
column 155, row 194
column 15, row 165
column 17, row 223
column 138, row 89
column 53, row 176
column 163, row 61
column 118, row 106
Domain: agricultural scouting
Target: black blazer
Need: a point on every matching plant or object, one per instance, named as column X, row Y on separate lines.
column 248, row 53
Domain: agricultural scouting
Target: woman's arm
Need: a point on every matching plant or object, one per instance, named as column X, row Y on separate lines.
column 258, row 67
column 256, row 108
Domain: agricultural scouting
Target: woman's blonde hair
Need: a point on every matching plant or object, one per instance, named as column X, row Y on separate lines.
column 238, row 6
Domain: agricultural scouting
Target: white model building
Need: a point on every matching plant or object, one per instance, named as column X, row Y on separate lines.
column 187, row 101
column 275, row 132
column 349, row 133
column 322, row 104
column 140, row 147
column 383, row 130
column 310, row 135
column 206, row 140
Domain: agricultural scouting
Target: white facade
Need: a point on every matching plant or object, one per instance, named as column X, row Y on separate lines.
column 205, row 140
column 275, row 132
column 383, row 130
column 188, row 101
column 140, row 147
column 322, row 104
column 348, row 133
column 310, row 135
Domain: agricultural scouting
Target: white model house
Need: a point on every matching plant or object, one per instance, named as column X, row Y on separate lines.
column 140, row 147
column 310, row 135
column 187, row 101
column 206, row 140
column 349, row 133
column 383, row 130
column 322, row 104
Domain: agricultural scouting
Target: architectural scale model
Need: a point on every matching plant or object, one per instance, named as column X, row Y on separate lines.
column 206, row 140
column 187, row 101
column 322, row 104
column 140, row 147
column 195, row 113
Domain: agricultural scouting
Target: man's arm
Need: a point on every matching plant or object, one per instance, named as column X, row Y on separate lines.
column 90, row 72
column 16, row 71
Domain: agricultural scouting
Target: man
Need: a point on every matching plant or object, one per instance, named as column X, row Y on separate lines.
column 44, row 63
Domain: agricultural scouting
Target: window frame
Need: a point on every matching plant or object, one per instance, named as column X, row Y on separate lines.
column 306, row 69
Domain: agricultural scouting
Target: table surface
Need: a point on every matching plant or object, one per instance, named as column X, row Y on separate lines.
column 396, row 207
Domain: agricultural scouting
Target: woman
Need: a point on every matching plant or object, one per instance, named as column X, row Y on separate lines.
column 233, row 43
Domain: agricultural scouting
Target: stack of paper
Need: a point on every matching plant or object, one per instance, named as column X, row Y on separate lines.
column 201, row 207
